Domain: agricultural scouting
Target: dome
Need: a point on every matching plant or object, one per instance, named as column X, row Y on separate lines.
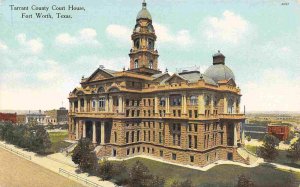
column 219, row 72
column 144, row 13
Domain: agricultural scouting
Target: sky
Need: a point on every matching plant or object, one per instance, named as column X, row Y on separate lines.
column 42, row 60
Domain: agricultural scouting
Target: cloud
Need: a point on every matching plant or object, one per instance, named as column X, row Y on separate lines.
column 164, row 35
column 275, row 90
column 86, row 36
column 230, row 28
column 3, row 46
column 34, row 46
column 119, row 32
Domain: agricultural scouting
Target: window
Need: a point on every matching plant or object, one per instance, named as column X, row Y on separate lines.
column 133, row 150
column 190, row 141
column 190, row 127
column 152, row 151
column 150, row 44
column 137, row 43
column 94, row 103
column 161, row 153
column 193, row 100
column 151, row 64
column 143, row 149
column 190, row 114
column 136, row 64
column 174, row 113
column 138, row 136
column 174, row 126
column 115, row 134
column 102, row 102
column 192, row 158
column 160, row 137
column 195, row 142
column 174, row 139
column 175, row 100
column 132, row 136
column 132, row 113
column 127, row 137
column 127, row 113
column 149, row 136
column 179, row 113
column 138, row 149
column 178, row 127
column 178, row 142
column 230, row 106
column 153, row 136
column 207, row 100
column 173, row 156
column 195, row 127
column 144, row 135
column 128, row 151
column 162, row 101
column 196, row 113
column 160, row 126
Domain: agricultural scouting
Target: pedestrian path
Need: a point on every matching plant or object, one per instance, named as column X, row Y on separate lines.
column 58, row 163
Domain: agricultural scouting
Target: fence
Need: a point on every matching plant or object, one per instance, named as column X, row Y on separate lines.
column 69, row 174
column 15, row 151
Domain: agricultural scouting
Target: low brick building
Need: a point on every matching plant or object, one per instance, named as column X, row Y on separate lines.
column 21, row 118
column 8, row 117
column 280, row 131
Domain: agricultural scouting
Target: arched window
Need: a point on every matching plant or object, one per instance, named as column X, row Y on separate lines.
column 137, row 43
column 136, row 64
column 94, row 103
column 162, row 101
column 207, row 100
column 101, row 90
column 151, row 64
column 193, row 100
column 230, row 106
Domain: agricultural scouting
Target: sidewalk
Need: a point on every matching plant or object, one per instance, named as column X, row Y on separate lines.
column 58, row 161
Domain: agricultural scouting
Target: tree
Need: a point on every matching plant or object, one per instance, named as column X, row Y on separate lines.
column 268, row 149
column 294, row 151
column 85, row 157
column 244, row 181
column 290, row 137
column 106, row 170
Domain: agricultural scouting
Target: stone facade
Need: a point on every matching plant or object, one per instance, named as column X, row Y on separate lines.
column 56, row 117
column 187, row 117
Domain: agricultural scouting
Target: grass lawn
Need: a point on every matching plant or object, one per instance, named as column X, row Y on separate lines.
column 222, row 175
column 281, row 159
column 57, row 141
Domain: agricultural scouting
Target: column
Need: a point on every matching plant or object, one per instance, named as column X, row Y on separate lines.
column 156, row 105
column 110, row 103
column 106, row 104
column 212, row 105
column 84, row 129
column 73, row 106
column 200, row 104
column 167, row 104
column 77, row 130
column 225, row 104
column 120, row 107
column 85, row 105
column 102, row 132
column 94, row 132
column 235, row 135
column 96, row 104
column 183, row 104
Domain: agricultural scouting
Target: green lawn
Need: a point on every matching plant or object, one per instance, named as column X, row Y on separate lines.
column 251, row 148
column 222, row 175
column 57, row 141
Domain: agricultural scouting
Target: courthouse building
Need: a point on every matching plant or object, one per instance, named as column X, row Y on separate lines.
column 189, row 117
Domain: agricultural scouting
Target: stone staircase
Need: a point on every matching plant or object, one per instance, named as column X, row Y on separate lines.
column 250, row 157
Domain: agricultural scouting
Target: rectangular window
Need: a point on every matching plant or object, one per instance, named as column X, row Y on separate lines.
column 178, row 142
column 174, row 139
column 173, row 156
column 138, row 149
column 196, row 113
column 149, row 102
column 127, row 137
column 144, row 112
column 143, row 149
column 190, row 141
column 160, row 126
column 138, row 113
column 192, row 158
column 138, row 136
column 174, row 113
column 190, row 114
column 128, row 151
column 174, row 126
column 149, row 113
column 132, row 136
column 160, row 137
column 149, row 136
column 179, row 113
column 153, row 136
column 161, row 153
column 221, row 138
column 190, row 127
column 127, row 113
column 132, row 113
column 144, row 136
column 195, row 142
column 195, row 127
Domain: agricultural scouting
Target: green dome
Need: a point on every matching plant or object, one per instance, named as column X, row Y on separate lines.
column 144, row 13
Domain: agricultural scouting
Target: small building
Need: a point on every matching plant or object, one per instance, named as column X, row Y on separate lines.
column 21, row 118
column 8, row 117
column 281, row 131
column 35, row 118
column 57, row 117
